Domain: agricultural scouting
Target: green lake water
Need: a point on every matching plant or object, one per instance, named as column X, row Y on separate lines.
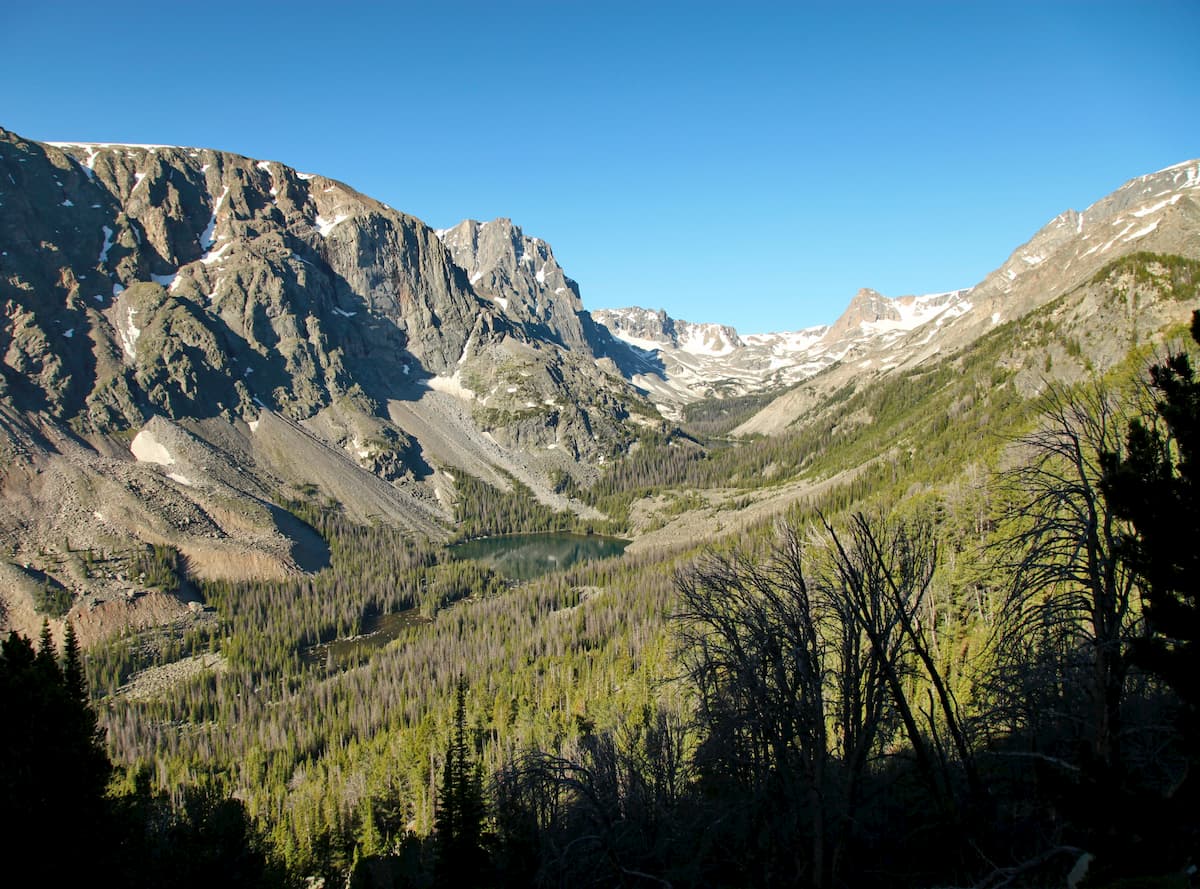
column 527, row 556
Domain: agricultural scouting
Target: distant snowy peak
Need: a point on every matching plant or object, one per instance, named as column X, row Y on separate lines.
column 712, row 360
column 649, row 330
column 872, row 313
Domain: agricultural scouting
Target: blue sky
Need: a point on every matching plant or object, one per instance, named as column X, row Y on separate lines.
column 748, row 163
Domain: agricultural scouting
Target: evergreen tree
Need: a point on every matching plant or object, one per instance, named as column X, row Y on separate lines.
column 461, row 858
column 72, row 666
column 53, row 768
column 47, row 655
column 1154, row 485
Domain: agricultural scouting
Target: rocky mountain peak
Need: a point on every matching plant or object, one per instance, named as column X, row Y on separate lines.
column 867, row 307
column 520, row 276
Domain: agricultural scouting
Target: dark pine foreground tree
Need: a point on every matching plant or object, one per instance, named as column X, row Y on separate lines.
column 461, row 858
column 53, row 768
column 1153, row 485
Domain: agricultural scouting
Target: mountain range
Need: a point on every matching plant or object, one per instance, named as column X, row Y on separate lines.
column 192, row 337
column 1158, row 212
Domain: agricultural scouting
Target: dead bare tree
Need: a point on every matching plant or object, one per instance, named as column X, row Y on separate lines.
column 1072, row 593
column 806, row 664
column 884, row 571
column 751, row 646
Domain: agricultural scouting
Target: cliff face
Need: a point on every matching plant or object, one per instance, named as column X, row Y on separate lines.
column 195, row 283
column 207, row 283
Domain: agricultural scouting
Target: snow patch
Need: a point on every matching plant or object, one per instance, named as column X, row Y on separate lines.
column 344, row 313
column 167, row 281
column 1142, row 232
column 706, row 339
column 643, row 344
column 451, row 385
column 108, row 242
column 69, row 333
column 211, row 257
column 148, row 449
column 325, row 226
column 208, row 236
column 541, row 275
column 130, row 333
column 1154, row 208
column 67, row 203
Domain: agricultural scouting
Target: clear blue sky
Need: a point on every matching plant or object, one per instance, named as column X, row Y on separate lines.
column 748, row 163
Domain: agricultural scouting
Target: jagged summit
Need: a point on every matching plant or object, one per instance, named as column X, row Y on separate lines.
column 520, row 275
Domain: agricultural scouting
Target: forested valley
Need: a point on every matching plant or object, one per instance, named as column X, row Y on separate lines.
column 969, row 660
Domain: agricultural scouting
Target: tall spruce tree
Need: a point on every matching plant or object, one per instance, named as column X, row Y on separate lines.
column 461, row 859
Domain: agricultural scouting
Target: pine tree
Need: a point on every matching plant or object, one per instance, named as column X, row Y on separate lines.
column 461, row 858
column 53, row 767
column 72, row 666
column 47, row 654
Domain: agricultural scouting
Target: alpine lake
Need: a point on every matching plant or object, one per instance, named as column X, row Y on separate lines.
column 516, row 557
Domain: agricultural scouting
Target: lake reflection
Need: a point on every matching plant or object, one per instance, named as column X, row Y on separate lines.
column 526, row 556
